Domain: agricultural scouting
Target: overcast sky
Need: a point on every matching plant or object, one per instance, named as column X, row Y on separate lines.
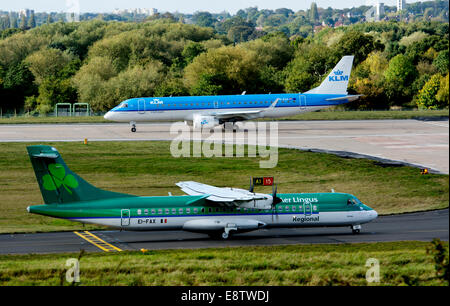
column 182, row 6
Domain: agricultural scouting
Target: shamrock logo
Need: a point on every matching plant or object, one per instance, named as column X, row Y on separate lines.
column 58, row 177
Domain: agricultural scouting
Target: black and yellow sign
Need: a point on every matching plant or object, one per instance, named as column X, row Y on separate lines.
column 263, row 181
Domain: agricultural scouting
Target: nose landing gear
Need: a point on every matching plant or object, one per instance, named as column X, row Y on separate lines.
column 133, row 126
column 356, row 229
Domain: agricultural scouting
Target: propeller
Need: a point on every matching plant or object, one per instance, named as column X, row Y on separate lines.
column 275, row 199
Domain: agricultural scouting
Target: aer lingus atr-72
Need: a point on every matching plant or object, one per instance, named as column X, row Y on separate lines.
column 211, row 111
column 218, row 212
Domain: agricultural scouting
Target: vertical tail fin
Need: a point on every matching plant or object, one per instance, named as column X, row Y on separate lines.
column 58, row 183
column 337, row 81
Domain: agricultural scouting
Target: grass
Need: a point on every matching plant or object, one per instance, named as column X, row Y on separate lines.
column 147, row 168
column 328, row 114
column 401, row 263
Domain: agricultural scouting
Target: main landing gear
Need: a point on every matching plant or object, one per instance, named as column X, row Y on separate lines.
column 133, row 126
column 356, row 229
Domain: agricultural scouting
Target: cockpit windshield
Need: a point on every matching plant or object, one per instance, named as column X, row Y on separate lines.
column 123, row 105
column 353, row 201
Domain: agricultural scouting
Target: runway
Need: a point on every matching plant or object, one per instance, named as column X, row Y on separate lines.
column 422, row 226
column 414, row 142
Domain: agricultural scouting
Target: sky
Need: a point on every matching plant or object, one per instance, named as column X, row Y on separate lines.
column 182, row 6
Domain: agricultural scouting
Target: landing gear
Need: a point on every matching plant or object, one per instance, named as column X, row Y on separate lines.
column 230, row 126
column 133, row 126
column 356, row 229
column 225, row 235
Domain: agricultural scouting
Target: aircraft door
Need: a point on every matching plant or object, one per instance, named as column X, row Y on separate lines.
column 302, row 102
column 141, row 106
column 307, row 209
column 125, row 217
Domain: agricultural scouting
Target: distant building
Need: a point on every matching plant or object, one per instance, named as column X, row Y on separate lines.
column 401, row 5
column 136, row 11
column 375, row 13
column 26, row 12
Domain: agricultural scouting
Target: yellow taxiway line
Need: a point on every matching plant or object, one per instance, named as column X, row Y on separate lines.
column 98, row 242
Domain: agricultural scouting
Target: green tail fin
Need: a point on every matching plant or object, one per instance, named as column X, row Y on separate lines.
column 58, row 183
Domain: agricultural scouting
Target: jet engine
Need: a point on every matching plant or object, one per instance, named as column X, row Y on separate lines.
column 207, row 122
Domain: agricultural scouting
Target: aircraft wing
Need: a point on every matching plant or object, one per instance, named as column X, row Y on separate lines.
column 244, row 115
column 217, row 194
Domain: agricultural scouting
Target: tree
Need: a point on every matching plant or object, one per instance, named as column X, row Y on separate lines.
column 203, row 19
column 427, row 95
column 49, row 19
column 441, row 62
column 192, row 50
column 399, row 75
column 14, row 23
column 32, row 21
column 53, row 90
column 47, row 62
column 23, row 22
column 442, row 95
column 313, row 14
column 368, row 79
column 311, row 64
column 358, row 44
column 234, row 69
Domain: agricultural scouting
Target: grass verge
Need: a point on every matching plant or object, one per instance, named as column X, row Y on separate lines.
column 147, row 168
column 401, row 263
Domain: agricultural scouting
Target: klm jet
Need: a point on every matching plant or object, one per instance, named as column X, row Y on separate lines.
column 211, row 111
column 218, row 212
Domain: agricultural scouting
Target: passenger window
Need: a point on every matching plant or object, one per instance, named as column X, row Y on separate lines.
column 188, row 210
column 160, row 211
column 139, row 212
column 180, row 211
column 287, row 208
column 167, row 211
column 146, row 211
column 209, row 210
column 293, row 208
column 195, row 210
column 203, row 210
column 153, row 211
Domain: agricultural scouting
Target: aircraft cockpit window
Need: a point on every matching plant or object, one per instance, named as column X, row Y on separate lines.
column 123, row 105
column 352, row 202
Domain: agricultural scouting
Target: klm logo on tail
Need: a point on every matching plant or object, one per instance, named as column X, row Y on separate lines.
column 337, row 76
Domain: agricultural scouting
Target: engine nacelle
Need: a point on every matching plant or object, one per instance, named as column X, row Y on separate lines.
column 207, row 122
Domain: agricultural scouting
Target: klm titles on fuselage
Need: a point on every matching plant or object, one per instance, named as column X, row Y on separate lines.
column 338, row 76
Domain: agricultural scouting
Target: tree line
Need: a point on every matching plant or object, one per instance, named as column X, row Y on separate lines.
column 101, row 62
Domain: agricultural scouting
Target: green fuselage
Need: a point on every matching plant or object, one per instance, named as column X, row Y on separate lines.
column 171, row 212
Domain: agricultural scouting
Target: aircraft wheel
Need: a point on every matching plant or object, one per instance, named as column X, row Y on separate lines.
column 225, row 235
column 356, row 231
column 133, row 129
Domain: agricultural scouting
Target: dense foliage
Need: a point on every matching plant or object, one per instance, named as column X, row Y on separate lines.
column 104, row 62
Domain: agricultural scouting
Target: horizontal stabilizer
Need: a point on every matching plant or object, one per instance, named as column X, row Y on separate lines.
column 349, row 98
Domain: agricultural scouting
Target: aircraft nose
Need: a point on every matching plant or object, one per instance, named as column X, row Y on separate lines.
column 108, row 116
column 374, row 214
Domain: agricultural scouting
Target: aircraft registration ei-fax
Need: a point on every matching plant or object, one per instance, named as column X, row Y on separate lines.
column 211, row 111
column 218, row 212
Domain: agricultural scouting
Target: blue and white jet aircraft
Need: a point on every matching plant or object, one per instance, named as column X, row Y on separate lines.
column 211, row 111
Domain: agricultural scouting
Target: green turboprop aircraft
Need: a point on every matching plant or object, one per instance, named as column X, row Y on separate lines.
column 218, row 212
